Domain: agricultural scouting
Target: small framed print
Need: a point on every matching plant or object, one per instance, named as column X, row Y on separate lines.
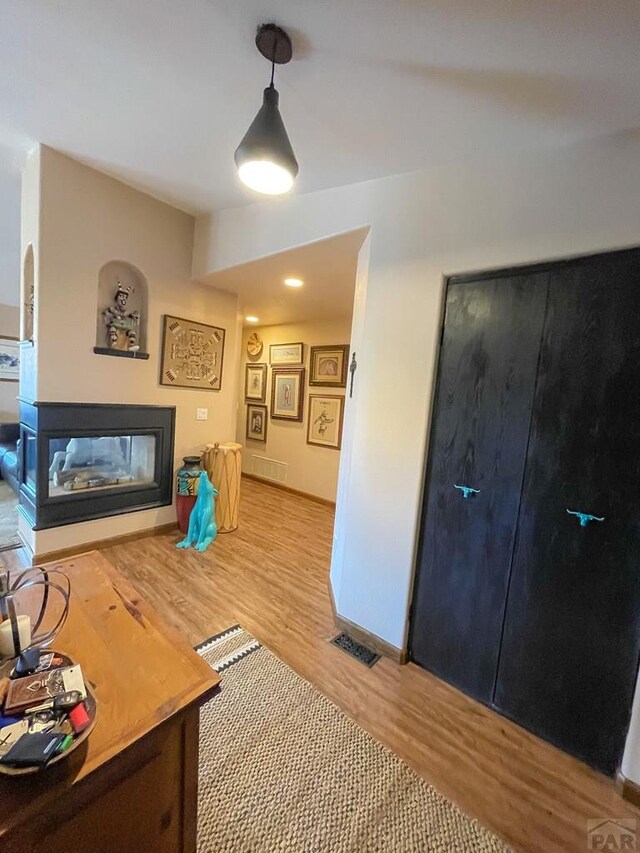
column 329, row 365
column 287, row 393
column 9, row 359
column 255, row 382
column 325, row 421
column 256, row 422
column 281, row 354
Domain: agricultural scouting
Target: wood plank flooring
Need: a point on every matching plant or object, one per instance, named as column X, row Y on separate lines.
column 271, row 577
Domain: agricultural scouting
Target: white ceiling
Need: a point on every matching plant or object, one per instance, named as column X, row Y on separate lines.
column 327, row 268
column 159, row 92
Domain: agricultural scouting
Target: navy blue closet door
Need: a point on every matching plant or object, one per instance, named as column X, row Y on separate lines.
column 571, row 639
column 485, row 387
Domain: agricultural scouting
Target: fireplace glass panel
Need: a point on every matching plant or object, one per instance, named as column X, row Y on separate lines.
column 81, row 464
column 30, row 461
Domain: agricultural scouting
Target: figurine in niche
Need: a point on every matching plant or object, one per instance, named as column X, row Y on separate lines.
column 202, row 521
column 122, row 326
column 29, row 310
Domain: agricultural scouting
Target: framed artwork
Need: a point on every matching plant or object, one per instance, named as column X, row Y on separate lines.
column 256, row 422
column 192, row 354
column 329, row 365
column 255, row 382
column 9, row 359
column 325, row 421
column 280, row 354
column 287, row 393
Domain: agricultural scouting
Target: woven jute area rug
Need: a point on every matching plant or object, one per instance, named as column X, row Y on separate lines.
column 283, row 769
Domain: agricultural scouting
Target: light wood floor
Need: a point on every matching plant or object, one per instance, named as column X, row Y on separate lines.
column 271, row 577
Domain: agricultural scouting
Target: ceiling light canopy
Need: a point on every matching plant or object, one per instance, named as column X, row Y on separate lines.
column 251, row 319
column 293, row 282
column 265, row 159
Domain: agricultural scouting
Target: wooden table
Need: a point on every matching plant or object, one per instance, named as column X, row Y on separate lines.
column 133, row 785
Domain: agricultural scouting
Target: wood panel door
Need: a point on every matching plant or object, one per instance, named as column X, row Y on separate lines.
column 486, row 381
column 571, row 639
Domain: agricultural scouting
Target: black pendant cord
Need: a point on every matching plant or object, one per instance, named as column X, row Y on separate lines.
column 273, row 69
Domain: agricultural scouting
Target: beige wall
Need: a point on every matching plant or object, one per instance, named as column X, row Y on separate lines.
column 310, row 469
column 424, row 226
column 534, row 206
column 9, row 326
column 85, row 220
column 9, row 230
column 30, row 241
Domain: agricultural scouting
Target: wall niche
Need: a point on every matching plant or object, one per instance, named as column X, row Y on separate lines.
column 121, row 321
column 28, row 307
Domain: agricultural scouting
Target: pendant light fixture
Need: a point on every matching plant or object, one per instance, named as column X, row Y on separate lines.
column 265, row 158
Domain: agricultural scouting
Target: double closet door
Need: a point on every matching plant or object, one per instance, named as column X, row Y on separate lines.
column 527, row 592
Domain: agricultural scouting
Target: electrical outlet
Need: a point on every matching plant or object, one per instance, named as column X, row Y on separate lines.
column 202, row 414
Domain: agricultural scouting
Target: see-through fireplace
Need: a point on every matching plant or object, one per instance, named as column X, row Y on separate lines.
column 83, row 461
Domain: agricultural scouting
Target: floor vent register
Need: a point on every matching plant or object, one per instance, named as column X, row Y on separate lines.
column 355, row 649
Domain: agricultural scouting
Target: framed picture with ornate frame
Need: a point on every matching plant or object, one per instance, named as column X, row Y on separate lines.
column 255, row 382
column 324, row 428
column 282, row 354
column 256, row 422
column 328, row 366
column 287, row 393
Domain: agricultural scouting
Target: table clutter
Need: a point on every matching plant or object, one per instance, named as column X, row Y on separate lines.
column 45, row 712
column 44, row 704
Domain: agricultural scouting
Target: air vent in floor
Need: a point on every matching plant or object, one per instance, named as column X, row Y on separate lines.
column 355, row 649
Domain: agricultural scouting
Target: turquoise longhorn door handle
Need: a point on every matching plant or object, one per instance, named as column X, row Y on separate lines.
column 584, row 517
column 467, row 490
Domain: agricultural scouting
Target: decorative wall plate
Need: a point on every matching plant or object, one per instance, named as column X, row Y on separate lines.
column 254, row 345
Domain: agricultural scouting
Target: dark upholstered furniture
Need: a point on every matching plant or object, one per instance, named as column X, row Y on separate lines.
column 9, row 433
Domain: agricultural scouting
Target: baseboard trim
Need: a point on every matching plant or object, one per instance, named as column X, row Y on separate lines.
column 382, row 647
column 98, row 544
column 629, row 790
column 283, row 488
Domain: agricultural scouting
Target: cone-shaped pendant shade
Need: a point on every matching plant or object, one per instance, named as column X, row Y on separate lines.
column 265, row 158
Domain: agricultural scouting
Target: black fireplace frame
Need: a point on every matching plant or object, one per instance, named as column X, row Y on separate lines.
column 40, row 422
